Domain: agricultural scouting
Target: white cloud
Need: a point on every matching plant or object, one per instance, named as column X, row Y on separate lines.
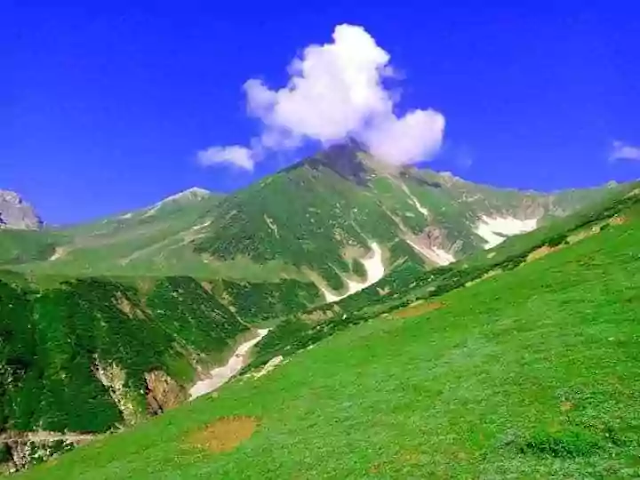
column 624, row 151
column 407, row 139
column 237, row 155
column 336, row 91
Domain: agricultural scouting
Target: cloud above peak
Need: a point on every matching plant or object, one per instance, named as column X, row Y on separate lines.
column 624, row 151
column 237, row 155
column 335, row 91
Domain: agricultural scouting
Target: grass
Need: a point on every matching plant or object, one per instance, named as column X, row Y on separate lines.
column 531, row 373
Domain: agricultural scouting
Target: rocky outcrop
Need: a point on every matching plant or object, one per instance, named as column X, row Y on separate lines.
column 432, row 243
column 433, row 237
column 19, row 450
column 113, row 377
column 163, row 392
column 16, row 213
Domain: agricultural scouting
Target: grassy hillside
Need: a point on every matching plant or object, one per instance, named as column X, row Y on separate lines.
column 146, row 242
column 75, row 353
column 24, row 246
column 107, row 321
column 57, row 340
column 532, row 372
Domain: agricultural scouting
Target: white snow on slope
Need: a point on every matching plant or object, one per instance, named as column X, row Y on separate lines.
column 375, row 271
column 220, row 375
column 201, row 225
column 495, row 229
column 271, row 364
column 415, row 201
column 194, row 193
column 435, row 254
column 59, row 252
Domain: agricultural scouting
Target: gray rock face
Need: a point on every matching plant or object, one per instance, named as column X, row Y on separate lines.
column 16, row 213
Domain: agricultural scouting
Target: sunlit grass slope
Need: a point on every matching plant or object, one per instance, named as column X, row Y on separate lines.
column 530, row 373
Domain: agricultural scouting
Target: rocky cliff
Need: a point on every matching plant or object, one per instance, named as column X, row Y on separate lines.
column 16, row 213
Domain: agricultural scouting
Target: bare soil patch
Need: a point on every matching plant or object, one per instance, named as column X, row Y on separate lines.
column 224, row 434
column 208, row 286
column 618, row 220
column 421, row 308
column 127, row 307
column 541, row 252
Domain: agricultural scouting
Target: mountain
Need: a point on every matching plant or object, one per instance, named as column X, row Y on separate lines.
column 408, row 286
column 107, row 322
column 15, row 213
column 327, row 214
column 338, row 220
column 517, row 361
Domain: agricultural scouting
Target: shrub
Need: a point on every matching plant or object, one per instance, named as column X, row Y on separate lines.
column 564, row 444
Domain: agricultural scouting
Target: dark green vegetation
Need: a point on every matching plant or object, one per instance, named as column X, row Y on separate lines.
column 532, row 372
column 56, row 341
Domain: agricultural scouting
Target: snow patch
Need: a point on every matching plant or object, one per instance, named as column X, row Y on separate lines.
column 220, row 375
column 194, row 193
column 445, row 257
column 272, row 225
column 415, row 201
column 435, row 254
column 375, row 271
column 201, row 225
column 59, row 252
column 496, row 229
column 271, row 364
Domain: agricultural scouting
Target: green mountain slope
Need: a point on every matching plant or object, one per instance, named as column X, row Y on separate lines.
column 89, row 355
column 324, row 214
column 410, row 285
column 531, row 372
column 148, row 241
column 315, row 222
column 156, row 242
column 76, row 353
column 24, row 246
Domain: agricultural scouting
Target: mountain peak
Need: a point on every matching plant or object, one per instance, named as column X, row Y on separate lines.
column 16, row 213
column 346, row 159
column 193, row 193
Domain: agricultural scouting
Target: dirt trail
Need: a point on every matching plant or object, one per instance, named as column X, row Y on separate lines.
column 220, row 375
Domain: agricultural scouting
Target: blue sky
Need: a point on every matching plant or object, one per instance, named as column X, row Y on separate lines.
column 103, row 108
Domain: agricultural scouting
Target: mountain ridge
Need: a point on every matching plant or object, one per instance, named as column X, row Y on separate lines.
column 314, row 221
